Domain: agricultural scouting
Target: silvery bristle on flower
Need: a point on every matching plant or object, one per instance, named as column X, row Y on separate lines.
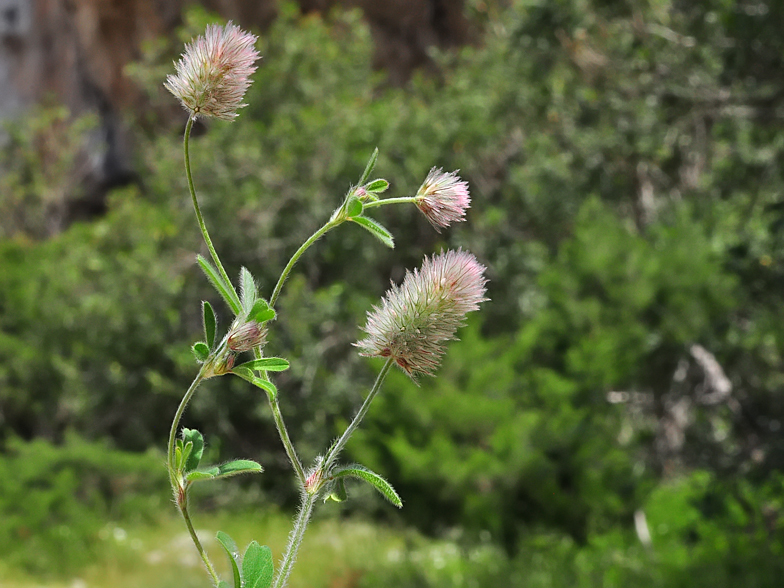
column 443, row 198
column 214, row 72
column 246, row 336
column 418, row 316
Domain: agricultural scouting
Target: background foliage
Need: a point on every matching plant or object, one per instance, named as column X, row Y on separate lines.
column 625, row 164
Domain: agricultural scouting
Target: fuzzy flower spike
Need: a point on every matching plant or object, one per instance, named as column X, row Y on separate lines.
column 443, row 198
column 213, row 74
column 416, row 317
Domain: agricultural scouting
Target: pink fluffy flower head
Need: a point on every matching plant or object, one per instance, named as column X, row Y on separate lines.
column 443, row 198
column 417, row 317
column 213, row 74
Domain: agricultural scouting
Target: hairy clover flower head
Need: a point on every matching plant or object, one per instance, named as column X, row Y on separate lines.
column 213, row 74
column 443, row 198
column 417, row 317
column 246, row 336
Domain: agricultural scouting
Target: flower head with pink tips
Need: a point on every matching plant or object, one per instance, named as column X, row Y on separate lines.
column 214, row 72
column 416, row 317
column 443, row 198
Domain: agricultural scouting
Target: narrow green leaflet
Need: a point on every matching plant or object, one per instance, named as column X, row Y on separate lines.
column 225, row 470
column 222, row 287
column 187, row 448
column 353, row 207
column 198, row 475
column 372, row 478
column 377, row 186
column 267, row 364
column 376, row 229
column 193, row 457
column 248, row 290
column 223, row 584
column 257, row 566
column 234, row 555
column 200, row 351
column 238, row 466
column 248, row 375
column 210, row 323
column 369, row 168
column 337, row 492
column 261, row 311
column 178, row 456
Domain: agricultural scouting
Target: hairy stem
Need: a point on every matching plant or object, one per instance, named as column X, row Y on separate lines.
column 403, row 200
column 204, row 557
column 284, row 437
column 336, row 448
column 199, row 218
column 280, row 425
column 178, row 488
column 295, row 539
column 175, row 426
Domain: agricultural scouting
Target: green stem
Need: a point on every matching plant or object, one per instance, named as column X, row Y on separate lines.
column 284, row 437
column 200, row 549
column 199, row 218
column 402, row 200
column 335, row 450
column 179, row 490
column 175, row 426
column 295, row 539
column 280, row 425
column 332, row 223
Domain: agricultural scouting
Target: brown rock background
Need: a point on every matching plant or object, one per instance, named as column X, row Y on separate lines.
column 74, row 53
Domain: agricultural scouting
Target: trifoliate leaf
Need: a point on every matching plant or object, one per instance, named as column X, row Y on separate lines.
column 257, row 566
column 234, row 555
column 200, row 351
column 338, row 491
column 248, row 375
column 226, row 470
column 377, row 186
column 353, row 207
column 267, row 364
column 376, row 229
column 372, row 478
column 224, row 289
column 369, row 167
column 248, row 290
column 261, row 311
column 196, row 440
column 210, row 323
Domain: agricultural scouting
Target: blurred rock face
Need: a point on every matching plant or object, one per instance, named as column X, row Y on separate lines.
column 74, row 51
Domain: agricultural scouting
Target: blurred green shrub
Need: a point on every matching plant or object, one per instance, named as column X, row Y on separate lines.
column 705, row 534
column 518, row 431
column 56, row 499
column 625, row 168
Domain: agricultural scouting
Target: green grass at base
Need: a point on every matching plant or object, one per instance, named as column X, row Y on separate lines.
column 333, row 554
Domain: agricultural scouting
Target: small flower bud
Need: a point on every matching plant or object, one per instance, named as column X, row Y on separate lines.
column 213, row 74
column 416, row 317
column 246, row 336
column 314, row 481
column 220, row 366
column 443, row 198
